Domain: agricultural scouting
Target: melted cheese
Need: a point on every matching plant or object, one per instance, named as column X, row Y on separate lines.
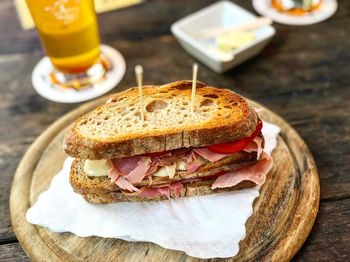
column 96, row 167
column 161, row 172
column 181, row 165
column 169, row 171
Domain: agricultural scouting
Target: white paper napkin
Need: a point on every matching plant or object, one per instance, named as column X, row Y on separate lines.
column 210, row 226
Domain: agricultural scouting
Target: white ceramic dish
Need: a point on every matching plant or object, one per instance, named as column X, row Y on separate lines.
column 223, row 14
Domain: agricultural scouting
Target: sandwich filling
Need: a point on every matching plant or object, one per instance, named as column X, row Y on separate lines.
column 127, row 172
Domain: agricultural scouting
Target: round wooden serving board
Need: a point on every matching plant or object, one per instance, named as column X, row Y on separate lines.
column 282, row 219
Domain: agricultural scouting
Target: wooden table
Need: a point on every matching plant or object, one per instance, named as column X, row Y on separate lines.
column 303, row 75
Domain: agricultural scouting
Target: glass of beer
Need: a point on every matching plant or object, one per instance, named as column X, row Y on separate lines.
column 69, row 33
column 296, row 7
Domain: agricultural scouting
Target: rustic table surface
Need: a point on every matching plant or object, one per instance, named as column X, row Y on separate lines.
column 303, row 75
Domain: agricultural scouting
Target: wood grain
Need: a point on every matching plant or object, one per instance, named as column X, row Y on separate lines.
column 12, row 252
column 283, row 214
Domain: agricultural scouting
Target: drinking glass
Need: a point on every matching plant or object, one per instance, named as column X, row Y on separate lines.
column 68, row 30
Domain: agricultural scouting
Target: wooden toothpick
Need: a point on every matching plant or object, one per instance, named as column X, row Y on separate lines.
column 194, row 85
column 139, row 75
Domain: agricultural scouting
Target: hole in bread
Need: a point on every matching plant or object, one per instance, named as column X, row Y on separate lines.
column 99, row 112
column 163, row 92
column 229, row 107
column 128, row 125
column 83, row 123
column 156, row 105
column 211, row 96
column 205, row 110
column 144, row 125
column 137, row 114
column 118, row 99
column 132, row 109
column 106, row 117
column 234, row 103
column 206, row 102
column 98, row 123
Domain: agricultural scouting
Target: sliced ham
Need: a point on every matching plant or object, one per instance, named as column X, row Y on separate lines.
column 176, row 188
column 165, row 191
column 140, row 171
column 128, row 170
column 126, row 185
column 255, row 146
column 255, row 173
column 173, row 189
column 113, row 174
column 172, row 157
column 153, row 168
column 149, row 192
column 193, row 162
column 126, row 164
column 209, row 155
column 167, row 159
column 120, row 181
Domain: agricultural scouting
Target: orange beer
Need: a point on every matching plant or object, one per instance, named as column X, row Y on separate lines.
column 69, row 32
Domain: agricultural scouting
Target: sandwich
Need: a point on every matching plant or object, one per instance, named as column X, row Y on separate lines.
column 172, row 151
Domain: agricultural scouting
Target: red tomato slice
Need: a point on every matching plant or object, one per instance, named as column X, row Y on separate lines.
column 236, row 146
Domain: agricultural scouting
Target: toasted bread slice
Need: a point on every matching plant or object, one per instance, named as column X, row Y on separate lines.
column 83, row 184
column 116, row 130
column 200, row 188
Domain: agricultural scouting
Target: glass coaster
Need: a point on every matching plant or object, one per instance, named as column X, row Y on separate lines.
column 46, row 86
column 326, row 9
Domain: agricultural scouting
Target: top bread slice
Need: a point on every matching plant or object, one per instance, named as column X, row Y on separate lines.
column 116, row 130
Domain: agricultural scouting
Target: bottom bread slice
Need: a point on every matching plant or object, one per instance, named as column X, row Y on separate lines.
column 199, row 188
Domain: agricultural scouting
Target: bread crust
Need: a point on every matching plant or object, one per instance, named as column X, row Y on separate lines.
column 194, row 189
column 218, row 130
